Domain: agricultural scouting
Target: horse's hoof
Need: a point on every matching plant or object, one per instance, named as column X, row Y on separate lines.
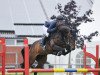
column 22, row 65
column 73, row 49
column 59, row 53
column 64, row 53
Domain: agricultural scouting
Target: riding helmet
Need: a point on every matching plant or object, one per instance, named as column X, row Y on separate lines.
column 60, row 17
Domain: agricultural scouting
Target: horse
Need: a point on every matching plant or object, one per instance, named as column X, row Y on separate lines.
column 61, row 40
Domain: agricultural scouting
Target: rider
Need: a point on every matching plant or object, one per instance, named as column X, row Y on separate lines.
column 51, row 27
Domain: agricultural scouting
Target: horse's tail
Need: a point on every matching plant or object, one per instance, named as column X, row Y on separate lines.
column 22, row 51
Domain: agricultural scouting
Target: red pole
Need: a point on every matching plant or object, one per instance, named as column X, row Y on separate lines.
column 2, row 42
column 97, row 56
column 3, row 57
column 84, row 58
column 26, row 57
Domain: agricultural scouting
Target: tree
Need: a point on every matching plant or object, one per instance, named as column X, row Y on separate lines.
column 70, row 13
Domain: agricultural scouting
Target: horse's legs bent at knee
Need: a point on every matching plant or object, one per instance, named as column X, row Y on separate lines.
column 58, row 48
column 32, row 58
column 41, row 61
column 68, row 48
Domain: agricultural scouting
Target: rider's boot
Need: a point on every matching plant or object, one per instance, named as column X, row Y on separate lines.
column 43, row 46
column 43, row 42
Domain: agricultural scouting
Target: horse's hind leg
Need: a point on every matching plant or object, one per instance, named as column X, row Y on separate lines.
column 32, row 58
column 41, row 61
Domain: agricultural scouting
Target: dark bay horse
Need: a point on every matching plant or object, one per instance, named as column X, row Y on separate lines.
column 61, row 40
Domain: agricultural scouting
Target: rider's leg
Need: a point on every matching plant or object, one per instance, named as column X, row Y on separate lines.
column 43, row 41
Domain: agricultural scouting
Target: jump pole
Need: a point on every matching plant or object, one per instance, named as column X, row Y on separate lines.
column 27, row 70
column 83, row 70
column 3, row 55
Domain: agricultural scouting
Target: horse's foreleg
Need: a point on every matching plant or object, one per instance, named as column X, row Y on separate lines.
column 68, row 50
column 58, row 50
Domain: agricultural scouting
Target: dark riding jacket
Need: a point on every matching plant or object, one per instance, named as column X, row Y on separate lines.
column 51, row 26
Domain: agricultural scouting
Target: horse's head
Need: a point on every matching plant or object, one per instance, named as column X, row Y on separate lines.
column 66, row 32
column 62, row 27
